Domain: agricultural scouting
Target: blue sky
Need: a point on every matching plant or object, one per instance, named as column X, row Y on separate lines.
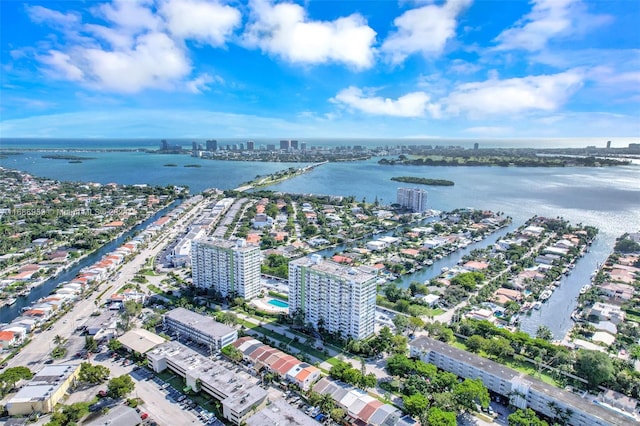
column 330, row 68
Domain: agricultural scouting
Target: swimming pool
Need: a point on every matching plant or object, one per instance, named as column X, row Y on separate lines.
column 278, row 303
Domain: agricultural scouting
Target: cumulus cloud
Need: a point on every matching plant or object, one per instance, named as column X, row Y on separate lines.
column 209, row 22
column 423, row 30
column 414, row 104
column 285, row 31
column 138, row 45
column 548, row 19
column 514, row 95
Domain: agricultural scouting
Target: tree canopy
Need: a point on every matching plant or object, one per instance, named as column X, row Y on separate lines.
column 121, row 386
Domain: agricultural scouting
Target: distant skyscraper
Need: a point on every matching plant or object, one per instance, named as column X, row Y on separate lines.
column 303, row 146
column 250, row 145
column 271, row 147
column 230, row 267
column 164, row 145
column 294, row 145
column 413, row 199
column 476, row 146
column 337, row 298
column 212, row 145
column 285, row 145
column 608, row 144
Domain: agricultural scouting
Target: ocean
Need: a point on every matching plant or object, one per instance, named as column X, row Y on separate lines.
column 608, row 198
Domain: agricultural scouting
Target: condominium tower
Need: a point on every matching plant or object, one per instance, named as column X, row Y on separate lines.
column 335, row 297
column 413, row 199
column 229, row 267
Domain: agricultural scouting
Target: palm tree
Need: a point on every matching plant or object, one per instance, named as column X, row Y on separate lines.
column 58, row 340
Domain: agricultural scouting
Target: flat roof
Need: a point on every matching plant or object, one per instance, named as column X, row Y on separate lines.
column 557, row 394
column 279, row 413
column 203, row 323
column 140, row 340
column 213, row 374
column 120, row 415
column 338, row 270
column 234, row 245
column 484, row 364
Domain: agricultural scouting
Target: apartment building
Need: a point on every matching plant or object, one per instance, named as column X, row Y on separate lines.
column 43, row 391
column 523, row 391
column 413, row 199
column 230, row 267
column 203, row 329
column 239, row 397
column 339, row 299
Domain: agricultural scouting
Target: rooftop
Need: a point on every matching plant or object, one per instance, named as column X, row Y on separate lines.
column 280, row 413
column 335, row 269
column 140, row 340
column 202, row 323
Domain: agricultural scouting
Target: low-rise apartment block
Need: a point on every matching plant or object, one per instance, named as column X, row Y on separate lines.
column 523, row 391
column 238, row 396
column 199, row 328
column 43, row 391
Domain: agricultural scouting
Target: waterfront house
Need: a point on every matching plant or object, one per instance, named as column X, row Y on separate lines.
column 7, row 339
column 504, row 295
column 617, row 291
column 607, row 312
column 474, row 265
column 19, row 331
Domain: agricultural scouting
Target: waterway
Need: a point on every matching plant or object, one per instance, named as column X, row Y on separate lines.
column 9, row 313
column 608, row 198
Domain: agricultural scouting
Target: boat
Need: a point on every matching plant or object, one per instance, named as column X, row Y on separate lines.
column 11, row 301
column 585, row 288
column 445, row 269
column 429, row 262
column 537, row 305
column 545, row 294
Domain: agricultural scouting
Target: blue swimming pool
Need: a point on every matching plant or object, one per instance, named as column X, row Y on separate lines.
column 278, row 303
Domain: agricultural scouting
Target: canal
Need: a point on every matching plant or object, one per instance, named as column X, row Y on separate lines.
column 9, row 313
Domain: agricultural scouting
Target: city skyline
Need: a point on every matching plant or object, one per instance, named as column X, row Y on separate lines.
column 454, row 69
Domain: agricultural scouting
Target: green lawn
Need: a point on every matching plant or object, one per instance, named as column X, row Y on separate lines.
column 148, row 272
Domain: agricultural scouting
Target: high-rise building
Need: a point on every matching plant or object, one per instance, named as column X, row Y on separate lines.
column 303, row 146
column 330, row 296
column 271, row 147
column 294, row 144
column 212, row 145
column 251, row 145
column 230, row 267
column 413, row 199
column 285, row 145
column 476, row 146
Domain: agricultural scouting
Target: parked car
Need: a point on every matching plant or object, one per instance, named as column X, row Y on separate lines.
column 101, row 394
column 143, row 416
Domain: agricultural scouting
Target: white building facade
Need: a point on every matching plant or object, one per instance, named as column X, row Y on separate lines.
column 412, row 198
column 335, row 297
column 229, row 267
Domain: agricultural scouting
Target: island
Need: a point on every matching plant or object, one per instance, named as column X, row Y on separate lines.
column 171, row 165
column 423, row 181
column 66, row 157
column 192, row 165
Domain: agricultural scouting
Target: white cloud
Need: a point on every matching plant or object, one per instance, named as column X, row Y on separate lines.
column 131, row 15
column 62, row 65
column 514, row 95
column 137, row 48
column 284, row 30
column 548, row 19
column 414, row 104
column 209, row 22
column 155, row 61
column 41, row 14
column 423, row 30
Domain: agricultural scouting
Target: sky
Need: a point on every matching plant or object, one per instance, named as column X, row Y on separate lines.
column 328, row 68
